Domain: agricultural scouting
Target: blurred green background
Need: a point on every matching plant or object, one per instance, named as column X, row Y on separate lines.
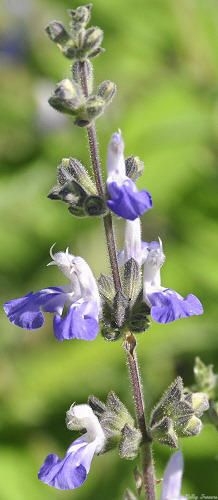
column 163, row 56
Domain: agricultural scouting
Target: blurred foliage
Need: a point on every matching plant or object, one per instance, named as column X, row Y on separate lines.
column 163, row 56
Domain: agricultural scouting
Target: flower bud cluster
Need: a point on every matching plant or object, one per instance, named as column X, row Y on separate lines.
column 68, row 97
column 118, row 425
column 79, row 44
column 123, row 311
column 177, row 414
column 76, row 188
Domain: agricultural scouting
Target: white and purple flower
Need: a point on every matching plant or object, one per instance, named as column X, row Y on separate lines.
column 76, row 306
column 124, row 198
column 165, row 304
column 71, row 471
column 172, row 481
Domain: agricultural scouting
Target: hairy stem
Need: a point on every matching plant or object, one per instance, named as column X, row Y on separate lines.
column 130, row 344
column 146, row 448
column 96, row 165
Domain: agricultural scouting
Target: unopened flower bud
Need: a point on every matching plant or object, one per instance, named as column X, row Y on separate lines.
column 193, row 427
column 94, row 107
column 57, row 32
column 106, row 90
column 80, row 16
column 92, row 38
column 199, row 402
column 67, row 97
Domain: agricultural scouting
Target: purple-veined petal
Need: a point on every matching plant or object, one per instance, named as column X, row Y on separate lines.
column 26, row 311
column 125, row 201
column 172, row 480
column 167, row 305
column 71, row 471
column 80, row 322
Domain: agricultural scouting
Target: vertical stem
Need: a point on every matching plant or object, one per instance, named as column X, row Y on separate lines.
column 146, row 450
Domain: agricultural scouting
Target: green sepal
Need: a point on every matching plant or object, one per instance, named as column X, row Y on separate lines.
column 95, row 206
column 132, row 279
column 138, row 318
column 170, row 399
column 181, row 414
column 106, row 288
column 71, row 192
column 120, row 309
column 70, row 169
column 132, row 285
column 134, row 167
column 117, row 407
column 164, row 433
column 130, row 442
column 94, row 107
column 76, row 188
column 117, row 424
column 77, row 211
column 97, row 405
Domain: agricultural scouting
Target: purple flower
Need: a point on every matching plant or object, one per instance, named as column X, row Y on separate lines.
column 71, row 471
column 76, row 307
column 172, row 480
column 166, row 304
column 124, row 198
